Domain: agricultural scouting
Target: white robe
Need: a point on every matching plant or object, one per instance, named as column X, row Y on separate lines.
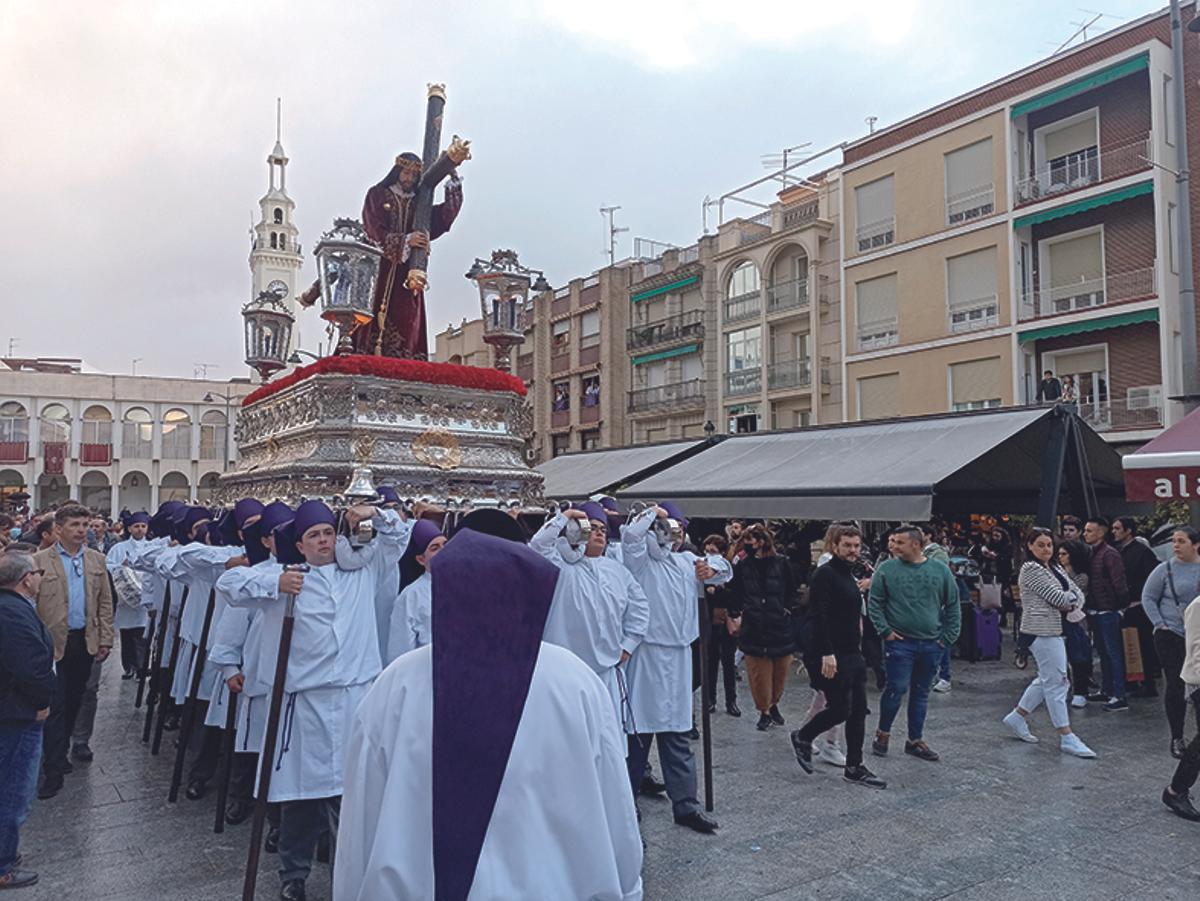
column 660, row 670
column 598, row 612
column 334, row 658
column 144, row 558
column 411, row 625
column 563, row 826
column 124, row 616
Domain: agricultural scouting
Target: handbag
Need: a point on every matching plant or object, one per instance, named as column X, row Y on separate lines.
column 990, row 596
column 1133, row 655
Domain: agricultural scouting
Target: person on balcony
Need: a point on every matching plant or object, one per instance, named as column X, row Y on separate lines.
column 1049, row 388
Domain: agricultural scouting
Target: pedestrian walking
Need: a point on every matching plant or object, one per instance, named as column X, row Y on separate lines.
column 1177, row 795
column 1047, row 592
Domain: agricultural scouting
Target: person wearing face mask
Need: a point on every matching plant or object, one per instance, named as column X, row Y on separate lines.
column 411, row 627
column 598, row 612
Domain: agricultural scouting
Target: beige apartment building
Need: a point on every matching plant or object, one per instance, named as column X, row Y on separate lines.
column 778, row 276
column 1026, row 226
column 463, row 345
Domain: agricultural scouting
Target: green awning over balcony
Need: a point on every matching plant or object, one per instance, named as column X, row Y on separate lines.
column 1082, row 206
column 674, row 286
column 1095, row 80
column 1089, row 325
column 664, row 354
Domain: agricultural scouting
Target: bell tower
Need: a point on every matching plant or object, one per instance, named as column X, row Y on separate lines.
column 275, row 258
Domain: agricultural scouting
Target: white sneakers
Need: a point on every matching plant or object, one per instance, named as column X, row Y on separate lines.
column 1072, row 745
column 828, row 752
column 1078, row 701
column 1020, row 728
column 941, row 685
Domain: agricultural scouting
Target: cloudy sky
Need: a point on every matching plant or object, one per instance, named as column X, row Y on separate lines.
column 135, row 133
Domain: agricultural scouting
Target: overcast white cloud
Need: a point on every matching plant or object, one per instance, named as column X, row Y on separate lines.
column 135, row 133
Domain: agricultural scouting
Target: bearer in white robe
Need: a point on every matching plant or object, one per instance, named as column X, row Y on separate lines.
column 333, row 660
column 660, row 670
column 409, row 627
column 133, row 621
column 599, row 611
column 488, row 765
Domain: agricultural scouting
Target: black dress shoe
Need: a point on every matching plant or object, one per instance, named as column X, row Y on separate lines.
column 693, row 735
column 764, row 722
column 1180, row 805
column 732, row 708
column 776, row 716
column 697, row 821
column 1178, row 747
column 271, row 844
column 171, row 724
column 196, row 790
column 67, row 768
column 83, row 753
column 128, row 674
column 292, row 890
column 51, row 786
column 651, row 786
column 238, row 812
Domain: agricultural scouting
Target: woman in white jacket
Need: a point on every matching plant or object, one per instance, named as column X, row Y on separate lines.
column 1046, row 594
column 1176, row 795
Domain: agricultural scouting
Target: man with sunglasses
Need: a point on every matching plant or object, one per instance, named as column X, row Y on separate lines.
column 75, row 602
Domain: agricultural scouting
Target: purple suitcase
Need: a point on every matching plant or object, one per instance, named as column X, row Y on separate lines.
column 988, row 637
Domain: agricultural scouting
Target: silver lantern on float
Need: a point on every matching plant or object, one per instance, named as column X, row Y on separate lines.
column 503, row 293
column 268, row 333
column 348, row 267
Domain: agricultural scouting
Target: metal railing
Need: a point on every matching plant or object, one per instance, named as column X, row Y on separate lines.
column 1085, row 167
column 682, row 327
column 787, row 295
column 973, row 204
column 876, row 234
column 1113, row 415
column 1114, row 287
column 874, row 335
column 675, row 394
column 743, row 306
column 979, row 312
column 137, row 441
column 789, row 374
column 743, row 381
column 177, row 442
column 689, row 254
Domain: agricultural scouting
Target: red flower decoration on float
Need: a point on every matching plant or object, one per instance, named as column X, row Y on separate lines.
column 473, row 377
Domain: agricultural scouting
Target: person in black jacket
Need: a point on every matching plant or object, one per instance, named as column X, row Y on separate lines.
column 764, row 604
column 26, row 688
column 721, row 643
column 1139, row 562
column 834, row 660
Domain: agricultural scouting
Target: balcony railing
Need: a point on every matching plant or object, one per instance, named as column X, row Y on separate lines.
column 690, row 393
column 789, row 374
column 790, row 295
column 875, row 335
column 973, row 204
column 1113, row 288
column 968, row 315
column 136, row 441
column 744, row 381
column 801, row 213
column 1114, row 415
column 743, row 306
column 14, row 451
column 873, row 235
column 177, row 443
column 683, row 327
column 1085, row 167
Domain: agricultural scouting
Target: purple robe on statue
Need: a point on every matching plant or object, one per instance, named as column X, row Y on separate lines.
column 388, row 218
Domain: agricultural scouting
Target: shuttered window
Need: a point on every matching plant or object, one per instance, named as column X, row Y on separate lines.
column 879, row 396
column 971, row 292
column 692, row 367
column 875, row 211
column 875, row 312
column 590, row 323
column 976, row 384
column 969, row 191
column 1080, row 362
column 1076, row 260
column 1072, row 139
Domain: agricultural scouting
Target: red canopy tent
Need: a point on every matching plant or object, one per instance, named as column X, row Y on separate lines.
column 1168, row 468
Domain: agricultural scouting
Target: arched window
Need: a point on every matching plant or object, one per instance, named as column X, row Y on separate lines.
column 274, row 241
column 174, row 487
column 95, row 492
column 177, row 435
column 213, row 435
column 95, row 447
column 14, row 433
column 56, row 424
column 206, row 490
column 743, row 280
column 282, row 241
column 278, row 215
column 137, row 434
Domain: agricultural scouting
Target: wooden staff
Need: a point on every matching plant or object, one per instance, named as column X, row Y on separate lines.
column 705, row 702
column 228, row 745
column 144, row 668
column 165, row 689
column 189, row 703
column 156, row 666
column 266, row 756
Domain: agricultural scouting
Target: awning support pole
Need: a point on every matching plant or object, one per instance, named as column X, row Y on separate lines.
column 1053, row 465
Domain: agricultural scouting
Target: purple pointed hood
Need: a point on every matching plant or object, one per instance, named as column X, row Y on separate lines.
column 490, row 602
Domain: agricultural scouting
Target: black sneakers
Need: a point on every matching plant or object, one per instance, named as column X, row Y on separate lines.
column 860, row 775
column 1178, row 747
column 803, row 751
column 764, row 722
column 1181, row 805
column 776, row 716
column 879, row 747
column 921, row 751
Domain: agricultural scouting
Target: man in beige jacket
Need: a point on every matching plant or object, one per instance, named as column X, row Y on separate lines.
column 1176, row 795
column 76, row 605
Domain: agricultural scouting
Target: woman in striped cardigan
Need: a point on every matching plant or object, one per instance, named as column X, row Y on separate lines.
column 1046, row 594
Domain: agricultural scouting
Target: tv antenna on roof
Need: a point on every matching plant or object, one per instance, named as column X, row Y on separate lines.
column 780, row 160
column 610, row 214
column 1081, row 30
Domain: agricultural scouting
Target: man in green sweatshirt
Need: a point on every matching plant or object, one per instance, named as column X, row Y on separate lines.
column 914, row 607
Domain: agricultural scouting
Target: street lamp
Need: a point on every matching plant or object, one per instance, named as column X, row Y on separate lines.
column 503, row 292
column 228, row 398
column 348, row 268
column 268, row 336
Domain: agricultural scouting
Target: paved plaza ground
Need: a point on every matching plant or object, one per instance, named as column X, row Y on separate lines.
column 995, row 819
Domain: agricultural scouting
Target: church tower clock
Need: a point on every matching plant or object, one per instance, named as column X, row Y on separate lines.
column 275, row 258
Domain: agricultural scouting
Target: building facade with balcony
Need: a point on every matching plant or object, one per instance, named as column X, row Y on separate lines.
column 776, row 277
column 112, row 441
column 463, row 345
column 1026, row 226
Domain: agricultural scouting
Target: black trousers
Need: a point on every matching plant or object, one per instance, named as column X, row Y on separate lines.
column 1136, row 617
column 133, row 650
column 845, row 702
column 872, row 648
column 721, row 649
column 242, row 775
column 73, row 671
column 1189, row 766
column 301, row 824
column 1172, row 649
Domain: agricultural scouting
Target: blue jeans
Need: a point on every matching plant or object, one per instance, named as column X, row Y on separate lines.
column 1106, row 627
column 910, row 663
column 20, row 756
column 944, row 664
